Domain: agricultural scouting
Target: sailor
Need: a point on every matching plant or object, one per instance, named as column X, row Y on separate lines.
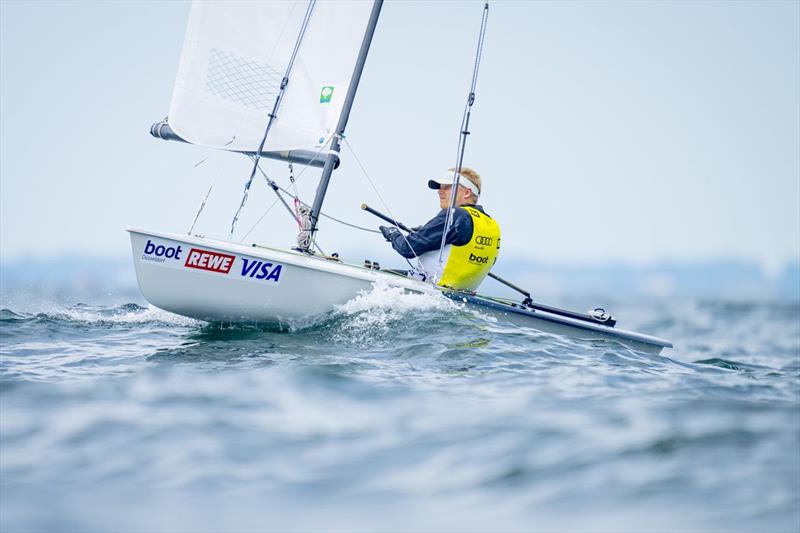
column 472, row 243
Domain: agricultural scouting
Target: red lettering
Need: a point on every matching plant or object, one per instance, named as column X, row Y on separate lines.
column 194, row 255
column 214, row 261
column 211, row 261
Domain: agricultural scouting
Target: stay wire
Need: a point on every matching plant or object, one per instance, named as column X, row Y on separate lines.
column 208, row 193
column 386, row 206
column 273, row 184
column 297, row 178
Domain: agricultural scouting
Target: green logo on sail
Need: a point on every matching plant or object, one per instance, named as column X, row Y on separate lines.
column 326, row 94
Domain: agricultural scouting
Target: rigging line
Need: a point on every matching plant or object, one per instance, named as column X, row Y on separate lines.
column 280, row 37
column 386, row 206
column 462, row 143
column 274, row 186
column 296, row 194
column 297, row 178
column 277, row 187
column 273, row 114
column 323, row 214
column 200, row 209
column 292, row 180
column 355, row 226
column 213, row 182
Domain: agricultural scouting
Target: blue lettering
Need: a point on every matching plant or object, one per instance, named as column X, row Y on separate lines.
column 275, row 274
column 172, row 252
column 264, row 271
column 248, row 267
column 260, row 270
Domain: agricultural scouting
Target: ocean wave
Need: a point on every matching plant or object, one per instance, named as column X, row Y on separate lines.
column 125, row 314
column 375, row 313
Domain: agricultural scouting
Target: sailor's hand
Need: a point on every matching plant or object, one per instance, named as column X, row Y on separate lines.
column 389, row 233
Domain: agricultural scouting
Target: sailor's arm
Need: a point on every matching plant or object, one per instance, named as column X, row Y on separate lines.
column 429, row 236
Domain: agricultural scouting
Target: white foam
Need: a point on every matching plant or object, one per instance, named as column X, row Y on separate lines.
column 138, row 316
column 383, row 304
column 384, row 297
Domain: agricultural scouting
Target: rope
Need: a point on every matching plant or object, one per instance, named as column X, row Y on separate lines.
column 296, row 196
column 299, row 201
column 296, row 179
column 306, row 167
column 213, row 183
column 274, row 187
column 386, row 206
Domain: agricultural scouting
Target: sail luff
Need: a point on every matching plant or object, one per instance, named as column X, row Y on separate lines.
column 333, row 155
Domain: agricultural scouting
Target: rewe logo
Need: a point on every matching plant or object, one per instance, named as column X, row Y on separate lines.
column 478, row 259
column 211, row 261
column 260, row 270
column 159, row 252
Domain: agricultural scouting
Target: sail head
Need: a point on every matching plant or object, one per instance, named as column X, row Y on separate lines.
column 234, row 58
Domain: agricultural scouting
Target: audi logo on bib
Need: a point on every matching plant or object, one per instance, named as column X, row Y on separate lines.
column 481, row 239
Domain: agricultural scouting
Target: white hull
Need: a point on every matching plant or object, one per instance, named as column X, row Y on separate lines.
column 238, row 290
column 219, row 281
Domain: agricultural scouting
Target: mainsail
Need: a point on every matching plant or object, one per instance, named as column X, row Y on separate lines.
column 234, row 56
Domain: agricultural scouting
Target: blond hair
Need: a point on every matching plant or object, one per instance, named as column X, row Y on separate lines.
column 472, row 176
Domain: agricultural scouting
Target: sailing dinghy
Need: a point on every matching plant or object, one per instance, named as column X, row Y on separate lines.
column 278, row 80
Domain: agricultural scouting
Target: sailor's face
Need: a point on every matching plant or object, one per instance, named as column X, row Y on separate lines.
column 444, row 195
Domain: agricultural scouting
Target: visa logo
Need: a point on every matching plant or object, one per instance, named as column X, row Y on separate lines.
column 211, row 261
column 256, row 269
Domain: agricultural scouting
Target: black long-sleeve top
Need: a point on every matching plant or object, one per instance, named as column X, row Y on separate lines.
column 429, row 236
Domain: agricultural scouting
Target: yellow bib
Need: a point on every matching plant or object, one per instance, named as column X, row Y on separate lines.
column 468, row 264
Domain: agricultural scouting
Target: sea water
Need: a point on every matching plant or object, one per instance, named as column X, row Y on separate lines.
column 397, row 411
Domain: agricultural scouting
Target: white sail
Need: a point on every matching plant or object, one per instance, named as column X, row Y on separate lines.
column 234, row 57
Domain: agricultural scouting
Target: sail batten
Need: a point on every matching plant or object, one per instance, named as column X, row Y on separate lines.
column 233, row 59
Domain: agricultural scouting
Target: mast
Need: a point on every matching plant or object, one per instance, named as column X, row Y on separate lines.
column 333, row 154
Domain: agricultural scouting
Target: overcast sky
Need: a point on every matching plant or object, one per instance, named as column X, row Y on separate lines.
column 603, row 130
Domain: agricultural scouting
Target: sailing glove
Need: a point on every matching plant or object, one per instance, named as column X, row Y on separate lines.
column 389, row 233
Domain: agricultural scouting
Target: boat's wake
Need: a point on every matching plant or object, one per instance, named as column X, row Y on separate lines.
column 89, row 315
column 385, row 302
column 384, row 309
